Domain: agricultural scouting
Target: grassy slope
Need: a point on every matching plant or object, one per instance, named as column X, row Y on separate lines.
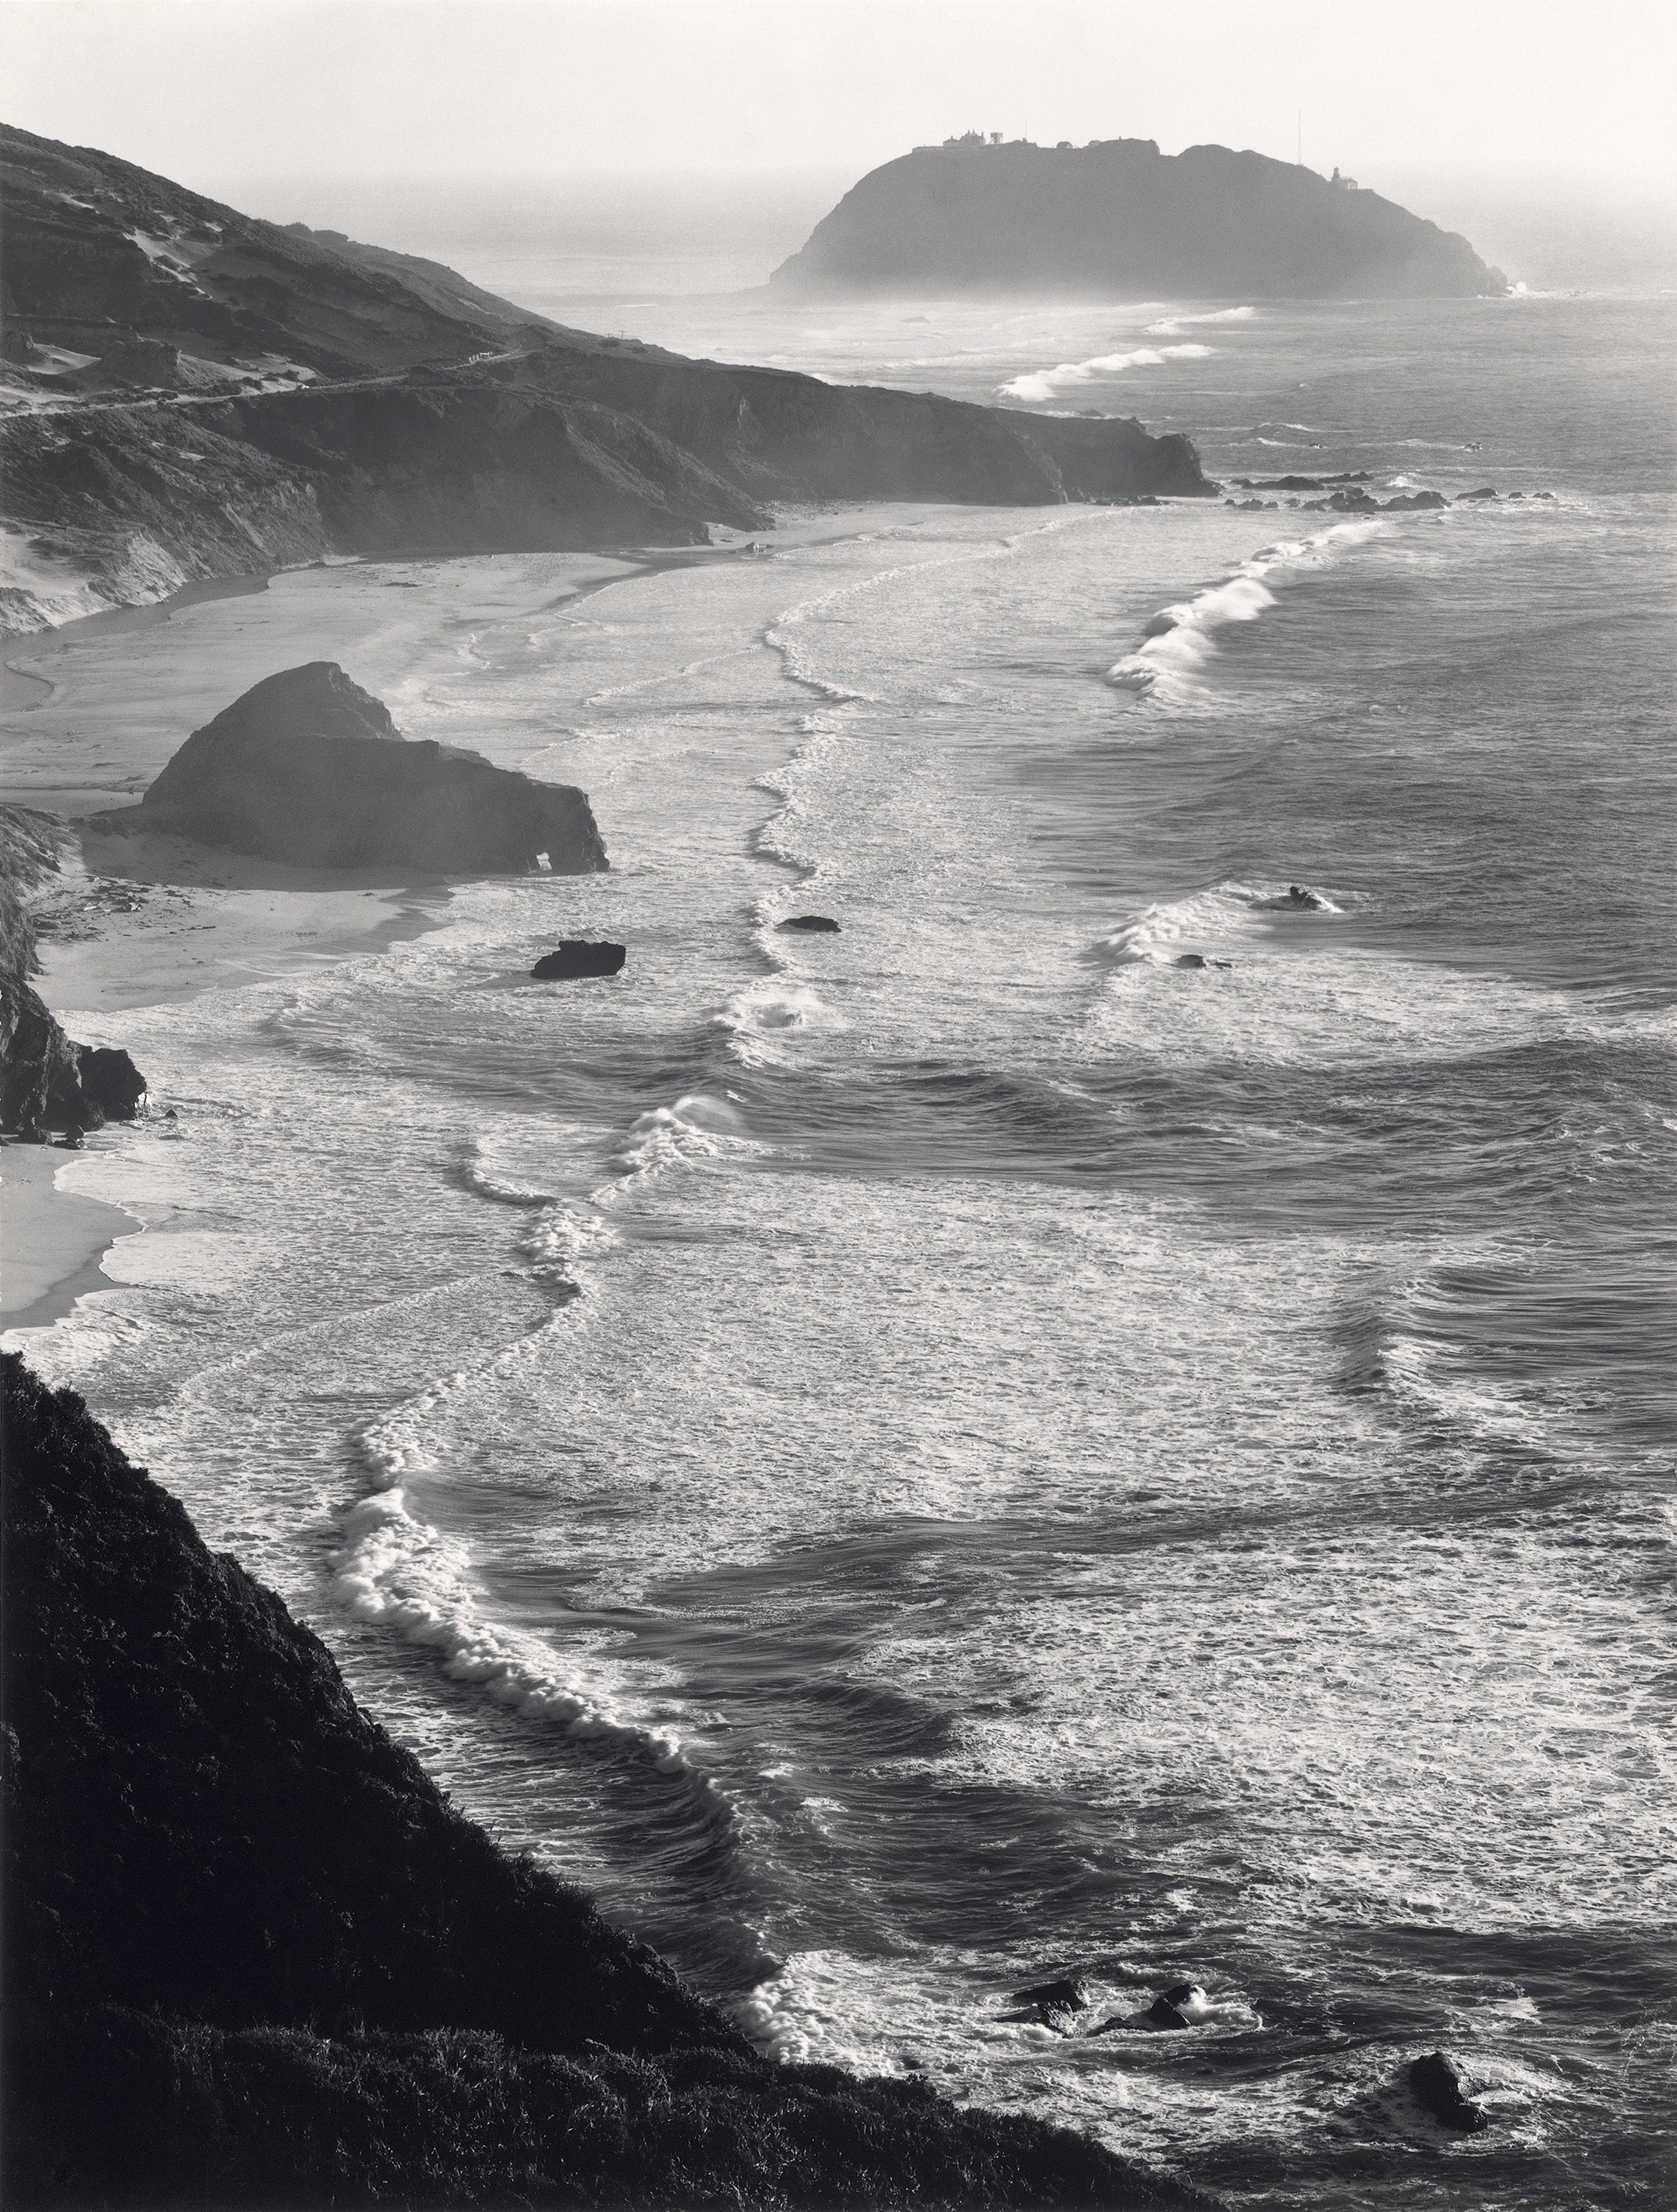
column 253, row 1956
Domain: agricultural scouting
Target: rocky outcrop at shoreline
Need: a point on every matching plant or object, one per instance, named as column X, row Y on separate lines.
column 47, row 1081
column 307, row 768
column 253, row 1956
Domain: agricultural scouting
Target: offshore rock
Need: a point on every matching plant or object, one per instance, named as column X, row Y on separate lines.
column 1118, row 219
column 1438, row 2086
column 307, row 768
column 815, row 923
column 1069, row 1993
column 579, row 955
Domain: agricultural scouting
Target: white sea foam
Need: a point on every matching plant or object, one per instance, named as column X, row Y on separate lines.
column 771, row 1010
column 398, row 1571
column 1172, row 324
column 1044, row 383
column 1166, row 665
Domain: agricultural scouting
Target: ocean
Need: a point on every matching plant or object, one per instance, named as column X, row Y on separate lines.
column 913, row 1459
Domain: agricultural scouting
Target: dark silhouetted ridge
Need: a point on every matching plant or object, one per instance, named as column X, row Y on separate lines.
column 254, row 1957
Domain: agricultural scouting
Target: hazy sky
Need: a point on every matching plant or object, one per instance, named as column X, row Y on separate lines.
column 203, row 89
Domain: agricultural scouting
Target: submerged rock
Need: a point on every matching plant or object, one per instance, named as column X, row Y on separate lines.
column 1306, row 901
column 309, row 768
column 1438, row 2086
column 579, row 955
column 810, row 921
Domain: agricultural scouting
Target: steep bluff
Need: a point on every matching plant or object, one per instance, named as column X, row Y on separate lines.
column 254, row 1957
column 307, row 768
column 188, row 392
column 47, row 1081
column 1118, row 218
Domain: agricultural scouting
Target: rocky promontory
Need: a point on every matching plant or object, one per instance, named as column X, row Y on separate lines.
column 1116, row 218
column 308, row 769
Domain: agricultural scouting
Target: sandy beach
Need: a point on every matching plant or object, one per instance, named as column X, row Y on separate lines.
column 95, row 708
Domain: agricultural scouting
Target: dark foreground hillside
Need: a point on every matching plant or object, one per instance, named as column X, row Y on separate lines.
column 253, row 1956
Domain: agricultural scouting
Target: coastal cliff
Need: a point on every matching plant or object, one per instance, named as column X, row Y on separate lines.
column 253, row 1956
column 189, row 392
column 1117, row 218
column 47, row 1081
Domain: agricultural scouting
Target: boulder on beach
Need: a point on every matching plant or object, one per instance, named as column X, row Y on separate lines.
column 579, row 955
column 810, row 921
column 1438, row 2086
column 307, row 768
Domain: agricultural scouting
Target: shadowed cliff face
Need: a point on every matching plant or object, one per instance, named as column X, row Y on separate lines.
column 307, row 768
column 1119, row 218
column 254, row 1957
column 47, row 1081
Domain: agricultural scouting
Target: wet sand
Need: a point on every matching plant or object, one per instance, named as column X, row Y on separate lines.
column 138, row 920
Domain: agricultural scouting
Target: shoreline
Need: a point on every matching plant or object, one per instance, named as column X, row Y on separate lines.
column 145, row 921
column 55, row 1241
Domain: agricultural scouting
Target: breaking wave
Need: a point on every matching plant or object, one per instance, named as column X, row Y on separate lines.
column 1171, row 323
column 1044, row 383
column 1179, row 638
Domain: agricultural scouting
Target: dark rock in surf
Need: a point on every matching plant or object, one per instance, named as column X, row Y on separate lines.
column 579, row 955
column 1485, row 491
column 111, row 1082
column 815, row 923
column 1306, row 901
column 1354, row 501
column 1069, row 1993
column 307, row 768
column 1438, row 2086
column 1415, row 502
column 1172, row 2007
column 1191, row 960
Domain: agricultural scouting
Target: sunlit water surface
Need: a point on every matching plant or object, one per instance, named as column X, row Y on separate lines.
column 911, row 1459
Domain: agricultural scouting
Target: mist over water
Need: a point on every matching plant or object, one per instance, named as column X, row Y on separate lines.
column 914, row 1459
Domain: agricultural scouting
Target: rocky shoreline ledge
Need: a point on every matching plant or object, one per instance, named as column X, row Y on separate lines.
column 252, row 1955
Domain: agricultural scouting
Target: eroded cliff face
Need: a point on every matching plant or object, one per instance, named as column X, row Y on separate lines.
column 308, row 769
column 1119, row 219
column 189, row 393
column 47, row 1081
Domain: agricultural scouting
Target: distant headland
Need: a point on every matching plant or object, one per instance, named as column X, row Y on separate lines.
column 1117, row 216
